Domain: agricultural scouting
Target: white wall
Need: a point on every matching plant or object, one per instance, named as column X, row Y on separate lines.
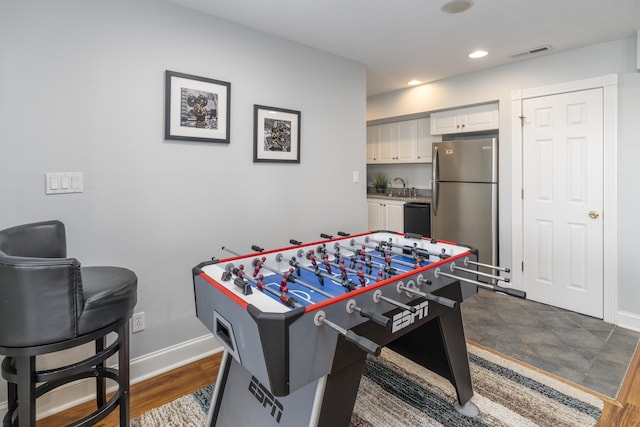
column 82, row 89
column 497, row 84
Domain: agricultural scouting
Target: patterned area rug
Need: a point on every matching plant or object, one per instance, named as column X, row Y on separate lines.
column 397, row 392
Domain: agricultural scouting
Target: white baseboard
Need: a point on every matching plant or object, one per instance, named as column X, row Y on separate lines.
column 142, row 368
column 628, row 320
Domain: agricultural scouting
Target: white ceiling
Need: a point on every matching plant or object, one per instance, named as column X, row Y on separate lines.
column 412, row 39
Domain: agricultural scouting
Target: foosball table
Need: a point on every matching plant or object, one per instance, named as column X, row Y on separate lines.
column 298, row 323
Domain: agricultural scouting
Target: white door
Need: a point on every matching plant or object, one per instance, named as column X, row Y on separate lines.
column 563, row 199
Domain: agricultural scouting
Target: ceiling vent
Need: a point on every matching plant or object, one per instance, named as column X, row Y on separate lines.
column 456, row 6
column 534, row 51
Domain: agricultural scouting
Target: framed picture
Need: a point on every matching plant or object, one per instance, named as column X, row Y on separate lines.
column 196, row 108
column 276, row 134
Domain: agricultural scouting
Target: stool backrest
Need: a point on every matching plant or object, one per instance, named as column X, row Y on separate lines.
column 40, row 288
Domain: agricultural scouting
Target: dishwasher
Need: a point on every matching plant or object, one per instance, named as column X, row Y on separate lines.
column 417, row 218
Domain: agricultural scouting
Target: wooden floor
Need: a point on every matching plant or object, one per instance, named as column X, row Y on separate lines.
column 149, row 394
column 155, row 392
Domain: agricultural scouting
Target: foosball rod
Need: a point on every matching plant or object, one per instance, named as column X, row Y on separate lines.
column 454, row 267
column 273, row 270
column 288, row 301
column 349, row 269
column 349, row 285
column 322, row 248
column 496, row 288
column 353, row 242
column 224, row 248
column 397, row 261
column 492, row 267
column 377, row 297
column 362, row 342
column 431, row 297
column 291, row 277
column 353, row 257
column 374, row 317
column 367, row 239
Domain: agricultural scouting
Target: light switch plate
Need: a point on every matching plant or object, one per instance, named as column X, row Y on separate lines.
column 63, row 182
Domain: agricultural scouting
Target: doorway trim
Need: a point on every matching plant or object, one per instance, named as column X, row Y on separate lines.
column 609, row 84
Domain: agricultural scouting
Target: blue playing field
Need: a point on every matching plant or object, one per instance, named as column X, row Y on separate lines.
column 333, row 286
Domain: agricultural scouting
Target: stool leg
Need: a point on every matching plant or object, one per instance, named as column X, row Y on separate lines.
column 123, row 374
column 26, row 367
column 101, row 384
column 12, row 388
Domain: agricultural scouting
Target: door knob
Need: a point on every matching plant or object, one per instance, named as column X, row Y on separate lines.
column 593, row 214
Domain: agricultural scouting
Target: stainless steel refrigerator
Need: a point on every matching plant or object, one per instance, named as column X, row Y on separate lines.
column 464, row 208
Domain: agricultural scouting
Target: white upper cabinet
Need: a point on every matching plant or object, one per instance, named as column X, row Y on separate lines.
column 408, row 141
column 373, row 144
column 423, row 146
column 397, row 141
column 470, row 119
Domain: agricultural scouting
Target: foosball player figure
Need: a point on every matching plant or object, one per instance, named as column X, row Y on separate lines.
column 360, row 275
column 258, row 266
column 327, row 264
column 343, row 270
column 312, row 257
column 260, row 282
column 284, row 287
column 387, row 259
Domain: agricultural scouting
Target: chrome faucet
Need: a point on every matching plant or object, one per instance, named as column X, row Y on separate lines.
column 404, row 185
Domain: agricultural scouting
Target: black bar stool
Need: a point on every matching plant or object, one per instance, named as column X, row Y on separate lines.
column 48, row 303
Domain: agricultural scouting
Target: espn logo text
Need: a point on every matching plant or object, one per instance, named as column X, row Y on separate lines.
column 265, row 398
column 407, row 318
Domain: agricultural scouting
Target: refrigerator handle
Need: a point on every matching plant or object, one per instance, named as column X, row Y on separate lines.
column 434, row 182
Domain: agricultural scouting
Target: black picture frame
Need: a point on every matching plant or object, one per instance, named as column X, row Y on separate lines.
column 283, row 148
column 186, row 118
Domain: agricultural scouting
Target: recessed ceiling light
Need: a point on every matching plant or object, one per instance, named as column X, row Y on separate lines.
column 478, row 54
column 456, row 6
column 414, row 82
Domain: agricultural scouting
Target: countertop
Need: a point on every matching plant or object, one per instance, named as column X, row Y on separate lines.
column 417, row 199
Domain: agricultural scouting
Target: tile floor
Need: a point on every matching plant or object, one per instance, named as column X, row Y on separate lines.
column 581, row 349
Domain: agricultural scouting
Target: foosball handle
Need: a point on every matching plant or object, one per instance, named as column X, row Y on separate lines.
column 295, row 242
column 326, row 236
column 257, row 248
column 509, row 291
column 364, row 343
column 343, row 234
column 413, row 236
column 376, row 318
column 442, row 301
